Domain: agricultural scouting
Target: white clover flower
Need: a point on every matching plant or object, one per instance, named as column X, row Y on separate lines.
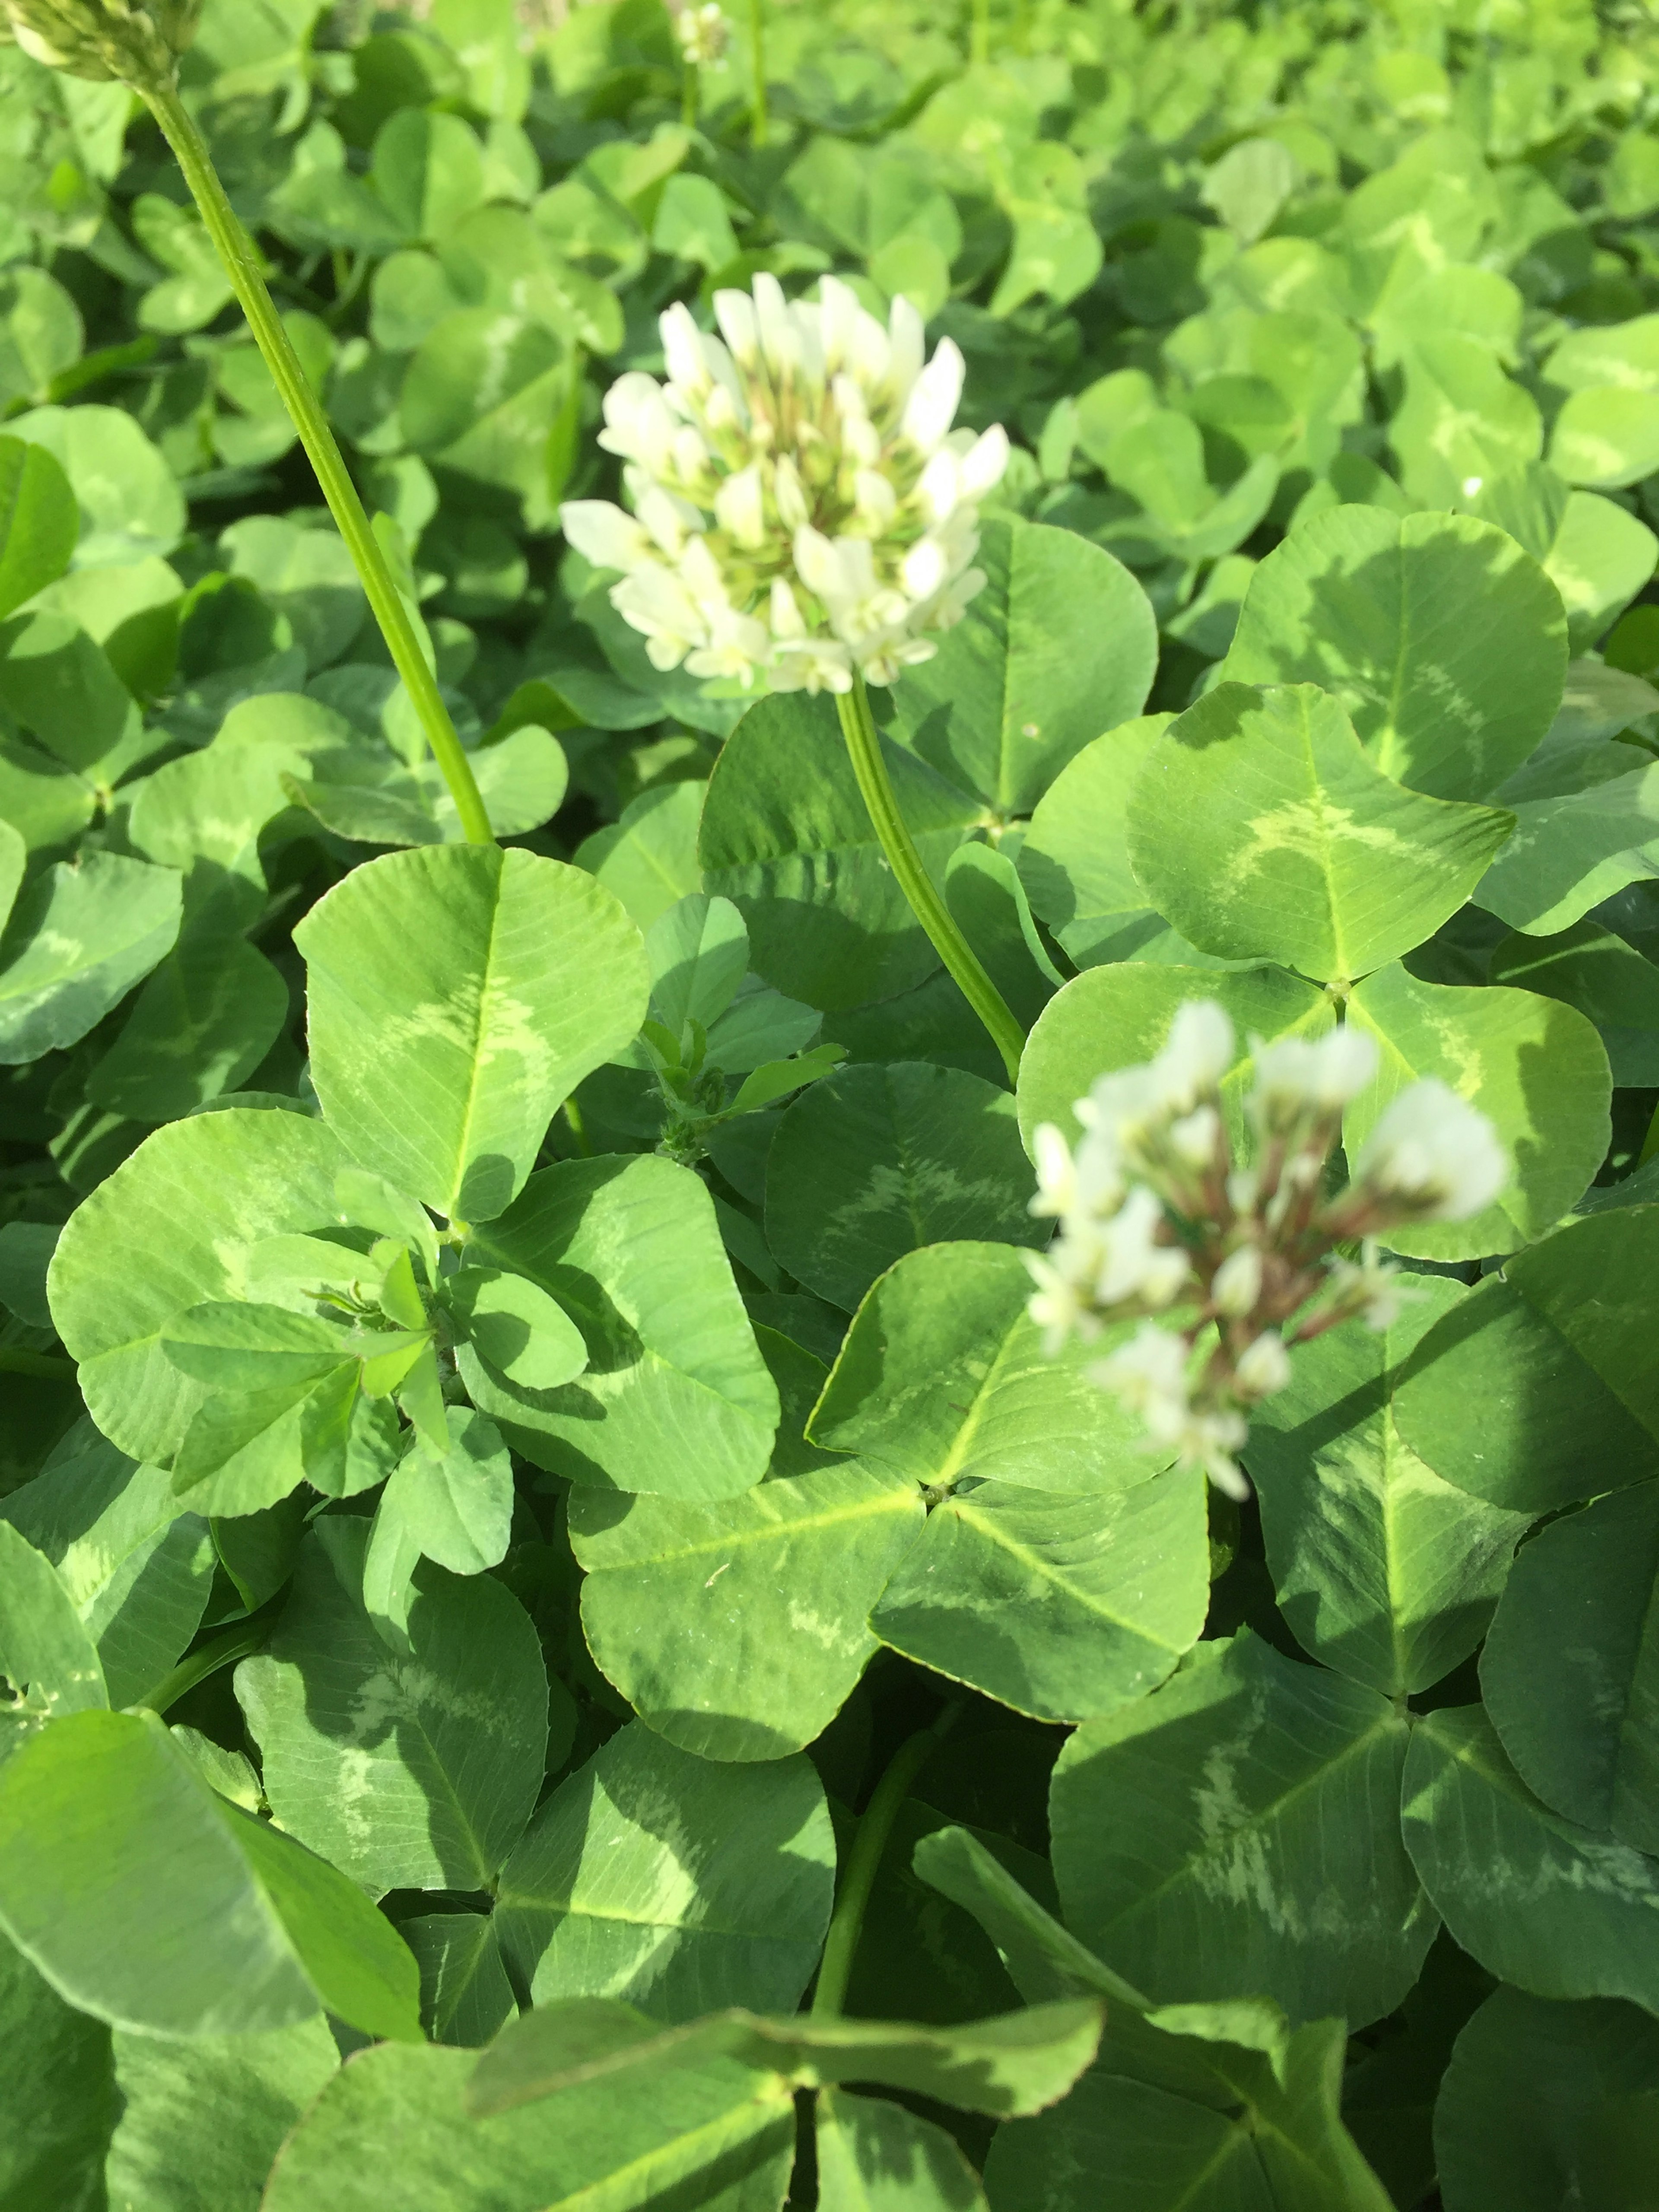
column 703, row 33
column 1132, row 1265
column 1371, row 1286
column 1197, row 1053
column 1433, row 1155
column 1088, row 1182
column 1148, row 1376
column 1263, row 1366
column 802, row 509
column 1295, row 1077
column 136, row 41
column 1057, row 1305
column 1236, row 1284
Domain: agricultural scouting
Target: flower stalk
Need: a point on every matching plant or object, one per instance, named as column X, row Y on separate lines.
column 757, row 117
column 864, row 744
column 864, row 1860
column 235, row 251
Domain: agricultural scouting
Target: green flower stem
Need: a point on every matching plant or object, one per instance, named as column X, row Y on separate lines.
column 859, row 728
column 864, row 1860
column 688, row 95
column 757, row 64
column 239, row 1641
column 241, row 266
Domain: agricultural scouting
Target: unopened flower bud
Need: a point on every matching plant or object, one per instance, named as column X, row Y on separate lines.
column 703, row 33
column 1236, row 1284
column 136, row 42
column 1263, row 1366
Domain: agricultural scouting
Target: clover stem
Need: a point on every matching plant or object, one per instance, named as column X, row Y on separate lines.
column 758, row 63
column 241, row 266
column 864, row 1860
column 863, row 743
column 688, row 90
column 979, row 33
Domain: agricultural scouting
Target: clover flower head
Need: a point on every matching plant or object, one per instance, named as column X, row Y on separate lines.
column 803, row 511
column 1433, row 1157
column 136, row 41
column 1370, row 1287
column 1296, row 1077
column 1156, row 1212
column 703, row 33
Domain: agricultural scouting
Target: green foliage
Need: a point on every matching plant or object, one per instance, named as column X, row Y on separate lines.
column 563, row 1639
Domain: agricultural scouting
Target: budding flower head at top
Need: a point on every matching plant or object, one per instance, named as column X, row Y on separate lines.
column 136, row 41
column 703, row 33
column 803, row 511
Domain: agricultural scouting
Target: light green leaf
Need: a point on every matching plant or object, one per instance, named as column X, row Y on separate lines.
column 875, row 1161
column 676, row 1883
column 699, row 954
column 1601, row 558
column 787, row 837
column 45, row 1653
column 1119, row 1016
column 137, row 1571
column 1234, row 1834
column 415, row 1772
column 393, row 2128
column 457, row 996
column 130, row 503
column 203, row 1023
column 1573, row 850
column 244, row 1345
column 1605, row 978
column 647, row 858
column 1060, row 644
column 514, row 1328
column 456, row 1506
column 1571, row 1670
column 1441, row 638
column 676, row 1397
column 1559, row 1910
column 1382, row 1569
column 1198, row 2125
column 79, row 939
column 1016, row 2063
column 1545, row 2104
column 1261, row 828
column 39, row 521
column 174, row 1913
column 60, row 2073
column 465, row 1996
column 738, row 1630
column 1151, row 2103
column 167, row 2155
column 1074, row 860
column 428, row 170
column 1461, row 419
column 1534, row 1067
column 874, row 2156
column 1060, row 1605
column 943, row 1378
column 1607, row 436
column 1542, row 1386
